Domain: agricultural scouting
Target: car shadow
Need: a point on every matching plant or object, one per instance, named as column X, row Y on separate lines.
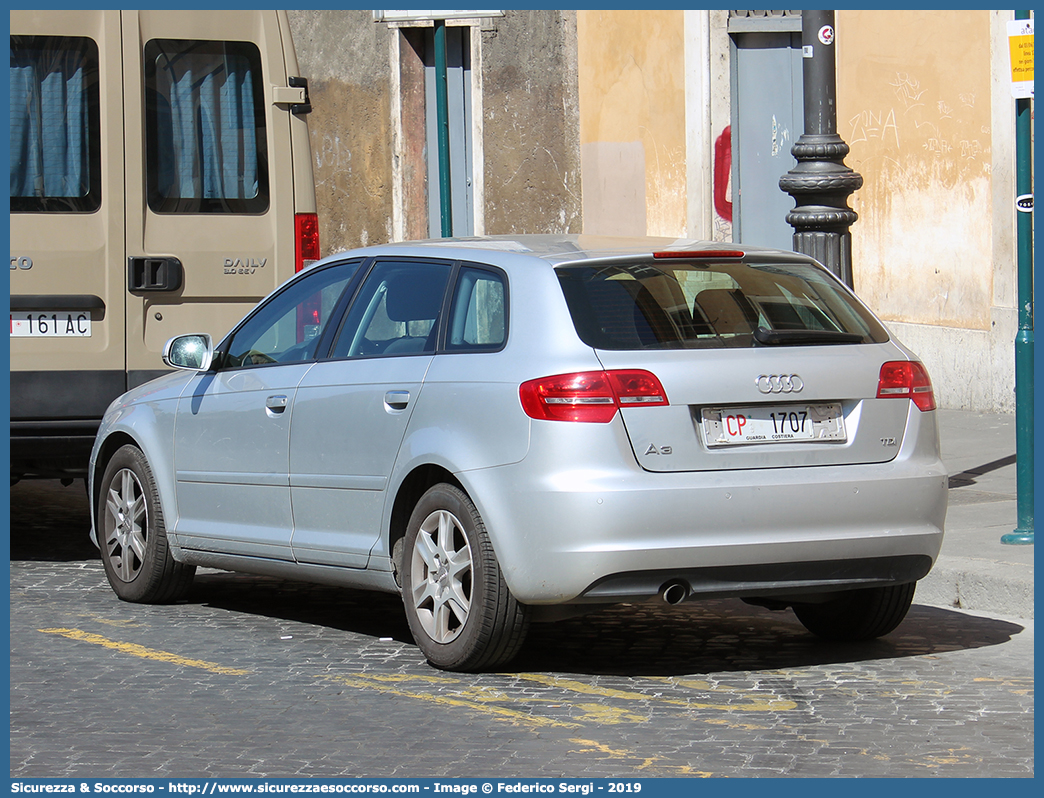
column 649, row 639
column 728, row 635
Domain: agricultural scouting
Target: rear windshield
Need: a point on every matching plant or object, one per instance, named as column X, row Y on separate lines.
column 696, row 305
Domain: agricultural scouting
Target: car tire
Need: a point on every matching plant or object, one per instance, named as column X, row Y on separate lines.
column 858, row 614
column 132, row 536
column 460, row 611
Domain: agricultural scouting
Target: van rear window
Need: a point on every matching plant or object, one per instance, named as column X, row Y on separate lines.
column 55, row 149
column 206, row 149
column 682, row 305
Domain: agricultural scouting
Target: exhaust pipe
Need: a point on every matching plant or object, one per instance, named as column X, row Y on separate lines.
column 674, row 592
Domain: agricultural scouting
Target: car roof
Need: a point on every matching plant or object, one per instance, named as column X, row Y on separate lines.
column 558, row 249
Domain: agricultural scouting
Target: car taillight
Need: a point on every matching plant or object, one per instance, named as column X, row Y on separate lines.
column 904, row 379
column 306, row 236
column 590, row 396
column 699, row 254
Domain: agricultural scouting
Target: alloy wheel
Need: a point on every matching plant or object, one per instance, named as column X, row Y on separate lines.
column 441, row 576
column 126, row 522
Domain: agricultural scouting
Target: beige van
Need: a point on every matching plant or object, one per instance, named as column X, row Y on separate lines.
column 161, row 183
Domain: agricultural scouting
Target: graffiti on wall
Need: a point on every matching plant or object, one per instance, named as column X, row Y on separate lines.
column 948, row 140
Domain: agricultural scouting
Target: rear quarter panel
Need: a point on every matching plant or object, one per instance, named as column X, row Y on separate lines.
column 469, row 417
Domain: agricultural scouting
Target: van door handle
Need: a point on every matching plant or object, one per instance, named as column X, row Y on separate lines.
column 397, row 400
column 148, row 274
column 277, row 404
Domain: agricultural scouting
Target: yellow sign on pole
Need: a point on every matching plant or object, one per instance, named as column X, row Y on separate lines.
column 1020, row 46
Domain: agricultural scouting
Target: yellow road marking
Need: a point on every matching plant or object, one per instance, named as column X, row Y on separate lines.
column 385, row 685
column 145, row 653
column 767, row 705
column 594, row 747
column 479, row 700
column 605, row 715
column 733, row 724
column 1018, row 685
column 106, row 621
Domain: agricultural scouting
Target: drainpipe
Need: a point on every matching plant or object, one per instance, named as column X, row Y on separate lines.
column 442, row 125
column 1024, row 340
column 821, row 183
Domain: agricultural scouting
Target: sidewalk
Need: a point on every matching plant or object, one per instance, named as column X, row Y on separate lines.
column 975, row 571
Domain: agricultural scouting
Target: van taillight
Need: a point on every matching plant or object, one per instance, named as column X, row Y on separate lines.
column 590, row 396
column 306, row 236
column 904, row 379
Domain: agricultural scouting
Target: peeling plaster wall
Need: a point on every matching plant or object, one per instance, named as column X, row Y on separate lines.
column 914, row 106
column 345, row 56
column 531, row 163
column 367, row 127
column 632, row 121
column 918, row 105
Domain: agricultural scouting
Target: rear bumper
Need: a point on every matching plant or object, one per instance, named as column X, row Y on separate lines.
column 618, row 533
column 54, row 417
column 770, row 580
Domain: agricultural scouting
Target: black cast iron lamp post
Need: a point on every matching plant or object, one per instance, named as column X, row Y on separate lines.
column 821, row 183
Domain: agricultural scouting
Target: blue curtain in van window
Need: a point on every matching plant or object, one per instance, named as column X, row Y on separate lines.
column 212, row 120
column 49, row 135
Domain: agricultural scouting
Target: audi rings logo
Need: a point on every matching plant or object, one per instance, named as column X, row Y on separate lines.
column 779, row 383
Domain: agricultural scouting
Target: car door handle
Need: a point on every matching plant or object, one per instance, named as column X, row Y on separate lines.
column 277, row 404
column 397, row 400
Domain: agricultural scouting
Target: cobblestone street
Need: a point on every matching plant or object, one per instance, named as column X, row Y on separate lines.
column 256, row 677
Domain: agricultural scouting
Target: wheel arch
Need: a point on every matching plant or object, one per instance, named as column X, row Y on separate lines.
column 412, row 487
column 106, row 450
column 162, row 473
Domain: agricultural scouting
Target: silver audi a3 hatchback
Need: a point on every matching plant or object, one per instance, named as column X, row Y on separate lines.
column 509, row 430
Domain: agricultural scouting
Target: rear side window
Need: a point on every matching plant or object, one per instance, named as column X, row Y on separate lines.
column 478, row 318
column 712, row 305
column 55, row 148
column 206, row 149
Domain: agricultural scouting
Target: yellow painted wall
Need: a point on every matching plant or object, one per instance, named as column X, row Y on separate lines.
column 914, row 105
column 632, row 121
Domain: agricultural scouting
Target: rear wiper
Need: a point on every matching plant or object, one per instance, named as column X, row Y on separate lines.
column 768, row 337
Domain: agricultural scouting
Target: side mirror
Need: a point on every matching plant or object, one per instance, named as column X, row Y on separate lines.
column 189, row 352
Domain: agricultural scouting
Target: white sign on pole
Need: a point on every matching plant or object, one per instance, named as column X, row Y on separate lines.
column 1020, row 46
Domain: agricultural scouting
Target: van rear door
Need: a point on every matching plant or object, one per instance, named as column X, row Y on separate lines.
column 161, row 183
column 210, row 173
column 67, row 197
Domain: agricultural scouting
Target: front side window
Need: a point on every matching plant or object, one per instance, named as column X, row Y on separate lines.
column 55, row 147
column 396, row 311
column 712, row 305
column 288, row 327
column 206, row 148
